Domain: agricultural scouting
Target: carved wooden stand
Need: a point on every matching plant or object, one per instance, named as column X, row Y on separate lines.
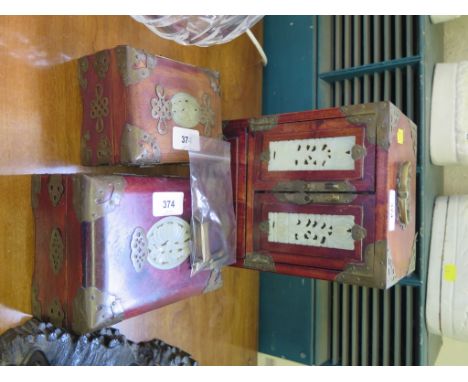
column 41, row 344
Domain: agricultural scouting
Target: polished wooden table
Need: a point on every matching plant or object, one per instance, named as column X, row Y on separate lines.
column 40, row 118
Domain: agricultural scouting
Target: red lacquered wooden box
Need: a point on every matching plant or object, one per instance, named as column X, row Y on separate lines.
column 328, row 194
column 132, row 100
column 106, row 251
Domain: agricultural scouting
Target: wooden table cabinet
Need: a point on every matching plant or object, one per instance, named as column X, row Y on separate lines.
column 327, row 194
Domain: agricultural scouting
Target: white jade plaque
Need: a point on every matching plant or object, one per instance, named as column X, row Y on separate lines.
column 315, row 154
column 185, row 110
column 169, row 242
column 314, row 230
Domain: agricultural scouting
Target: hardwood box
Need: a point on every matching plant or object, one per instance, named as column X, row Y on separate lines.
column 132, row 100
column 328, row 194
column 106, row 250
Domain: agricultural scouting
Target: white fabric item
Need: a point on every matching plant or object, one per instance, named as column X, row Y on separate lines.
column 448, row 258
column 447, row 291
column 313, row 154
column 436, row 19
column 449, row 114
column 439, row 220
column 314, row 230
column 442, row 134
column 454, row 306
column 461, row 112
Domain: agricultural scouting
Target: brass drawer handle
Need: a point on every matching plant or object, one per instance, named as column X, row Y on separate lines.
column 302, row 186
column 358, row 233
column 202, row 231
column 301, row 198
column 403, row 193
column 358, row 152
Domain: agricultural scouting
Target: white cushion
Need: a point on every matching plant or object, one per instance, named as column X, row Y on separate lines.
column 447, row 289
column 449, row 114
column 435, row 264
column 442, row 134
column 454, row 313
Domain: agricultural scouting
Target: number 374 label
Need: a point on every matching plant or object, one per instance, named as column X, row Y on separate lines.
column 168, row 203
column 185, row 139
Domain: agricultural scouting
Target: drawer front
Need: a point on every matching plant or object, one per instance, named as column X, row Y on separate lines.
column 320, row 155
column 326, row 231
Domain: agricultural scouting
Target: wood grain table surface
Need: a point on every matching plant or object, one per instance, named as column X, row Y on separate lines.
column 40, row 119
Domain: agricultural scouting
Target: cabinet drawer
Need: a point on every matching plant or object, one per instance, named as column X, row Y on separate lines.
column 316, row 230
column 319, row 155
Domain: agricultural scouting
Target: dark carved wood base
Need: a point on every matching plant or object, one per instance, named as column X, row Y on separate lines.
column 41, row 344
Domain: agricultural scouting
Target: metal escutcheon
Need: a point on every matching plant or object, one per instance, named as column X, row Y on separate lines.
column 358, row 233
column 403, row 193
column 301, row 198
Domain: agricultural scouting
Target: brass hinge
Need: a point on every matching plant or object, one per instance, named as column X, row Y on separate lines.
column 264, row 227
column 358, row 233
column 265, row 156
column 299, row 185
column 404, row 193
column 259, row 261
column 263, row 123
column 358, row 152
column 301, row 198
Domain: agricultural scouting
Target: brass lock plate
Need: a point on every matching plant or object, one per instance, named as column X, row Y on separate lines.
column 404, row 193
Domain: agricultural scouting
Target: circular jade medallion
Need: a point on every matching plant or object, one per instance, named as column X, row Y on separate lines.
column 185, row 110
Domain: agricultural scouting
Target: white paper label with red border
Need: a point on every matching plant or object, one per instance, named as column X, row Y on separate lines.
column 391, row 210
column 168, row 203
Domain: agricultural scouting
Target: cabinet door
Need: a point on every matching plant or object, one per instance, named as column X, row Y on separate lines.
column 236, row 134
column 326, row 231
column 318, row 155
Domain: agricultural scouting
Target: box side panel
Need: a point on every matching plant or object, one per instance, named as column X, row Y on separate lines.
column 75, row 244
column 401, row 196
column 50, row 270
column 118, row 100
column 96, row 94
